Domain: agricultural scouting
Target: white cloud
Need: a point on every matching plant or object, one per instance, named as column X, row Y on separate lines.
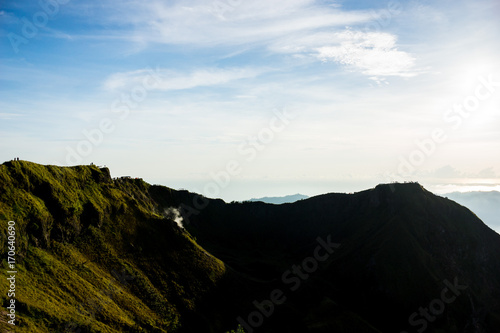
column 304, row 43
column 164, row 79
column 373, row 53
column 257, row 21
column 303, row 28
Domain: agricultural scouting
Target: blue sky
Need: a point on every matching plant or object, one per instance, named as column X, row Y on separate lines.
column 240, row 99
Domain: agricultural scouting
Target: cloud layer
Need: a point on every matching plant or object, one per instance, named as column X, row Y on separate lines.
column 304, row 28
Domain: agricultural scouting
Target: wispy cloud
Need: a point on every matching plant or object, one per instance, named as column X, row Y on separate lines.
column 299, row 27
column 258, row 21
column 174, row 80
column 5, row 116
column 303, row 28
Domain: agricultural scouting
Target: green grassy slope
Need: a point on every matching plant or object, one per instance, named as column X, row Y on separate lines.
column 98, row 255
column 101, row 255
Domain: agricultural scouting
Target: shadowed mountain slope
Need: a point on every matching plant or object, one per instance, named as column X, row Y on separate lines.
column 96, row 254
column 399, row 243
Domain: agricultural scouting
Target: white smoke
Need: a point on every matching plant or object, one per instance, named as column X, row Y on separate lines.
column 175, row 215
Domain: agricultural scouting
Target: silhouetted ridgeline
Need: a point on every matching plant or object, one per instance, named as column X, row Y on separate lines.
column 98, row 254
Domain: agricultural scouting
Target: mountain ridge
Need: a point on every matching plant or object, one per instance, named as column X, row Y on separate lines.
column 113, row 247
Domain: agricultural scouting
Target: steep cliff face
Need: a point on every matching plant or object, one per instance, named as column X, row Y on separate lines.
column 96, row 254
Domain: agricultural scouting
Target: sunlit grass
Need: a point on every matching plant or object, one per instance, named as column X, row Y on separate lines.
column 96, row 254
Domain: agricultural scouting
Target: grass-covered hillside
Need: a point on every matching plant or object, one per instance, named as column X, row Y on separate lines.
column 99, row 255
column 96, row 254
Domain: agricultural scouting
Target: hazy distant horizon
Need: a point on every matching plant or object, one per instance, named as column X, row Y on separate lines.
column 239, row 190
column 224, row 186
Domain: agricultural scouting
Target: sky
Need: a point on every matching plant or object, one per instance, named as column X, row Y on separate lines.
column 239, row 99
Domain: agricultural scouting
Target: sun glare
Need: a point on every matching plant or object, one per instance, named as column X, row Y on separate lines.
column 468, row 74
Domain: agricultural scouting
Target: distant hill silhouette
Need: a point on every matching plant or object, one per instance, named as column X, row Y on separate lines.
column 485, row 204
column 282, row 200
column 96, row 254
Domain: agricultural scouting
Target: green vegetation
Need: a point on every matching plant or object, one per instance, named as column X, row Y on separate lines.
column 238, row 330
column 96, row 254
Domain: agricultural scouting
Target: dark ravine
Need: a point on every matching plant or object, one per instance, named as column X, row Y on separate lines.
column 98, row 254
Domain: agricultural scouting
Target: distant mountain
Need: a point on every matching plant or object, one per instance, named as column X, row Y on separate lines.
column 281, row 200
column 96, row 254
column 485, row 204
